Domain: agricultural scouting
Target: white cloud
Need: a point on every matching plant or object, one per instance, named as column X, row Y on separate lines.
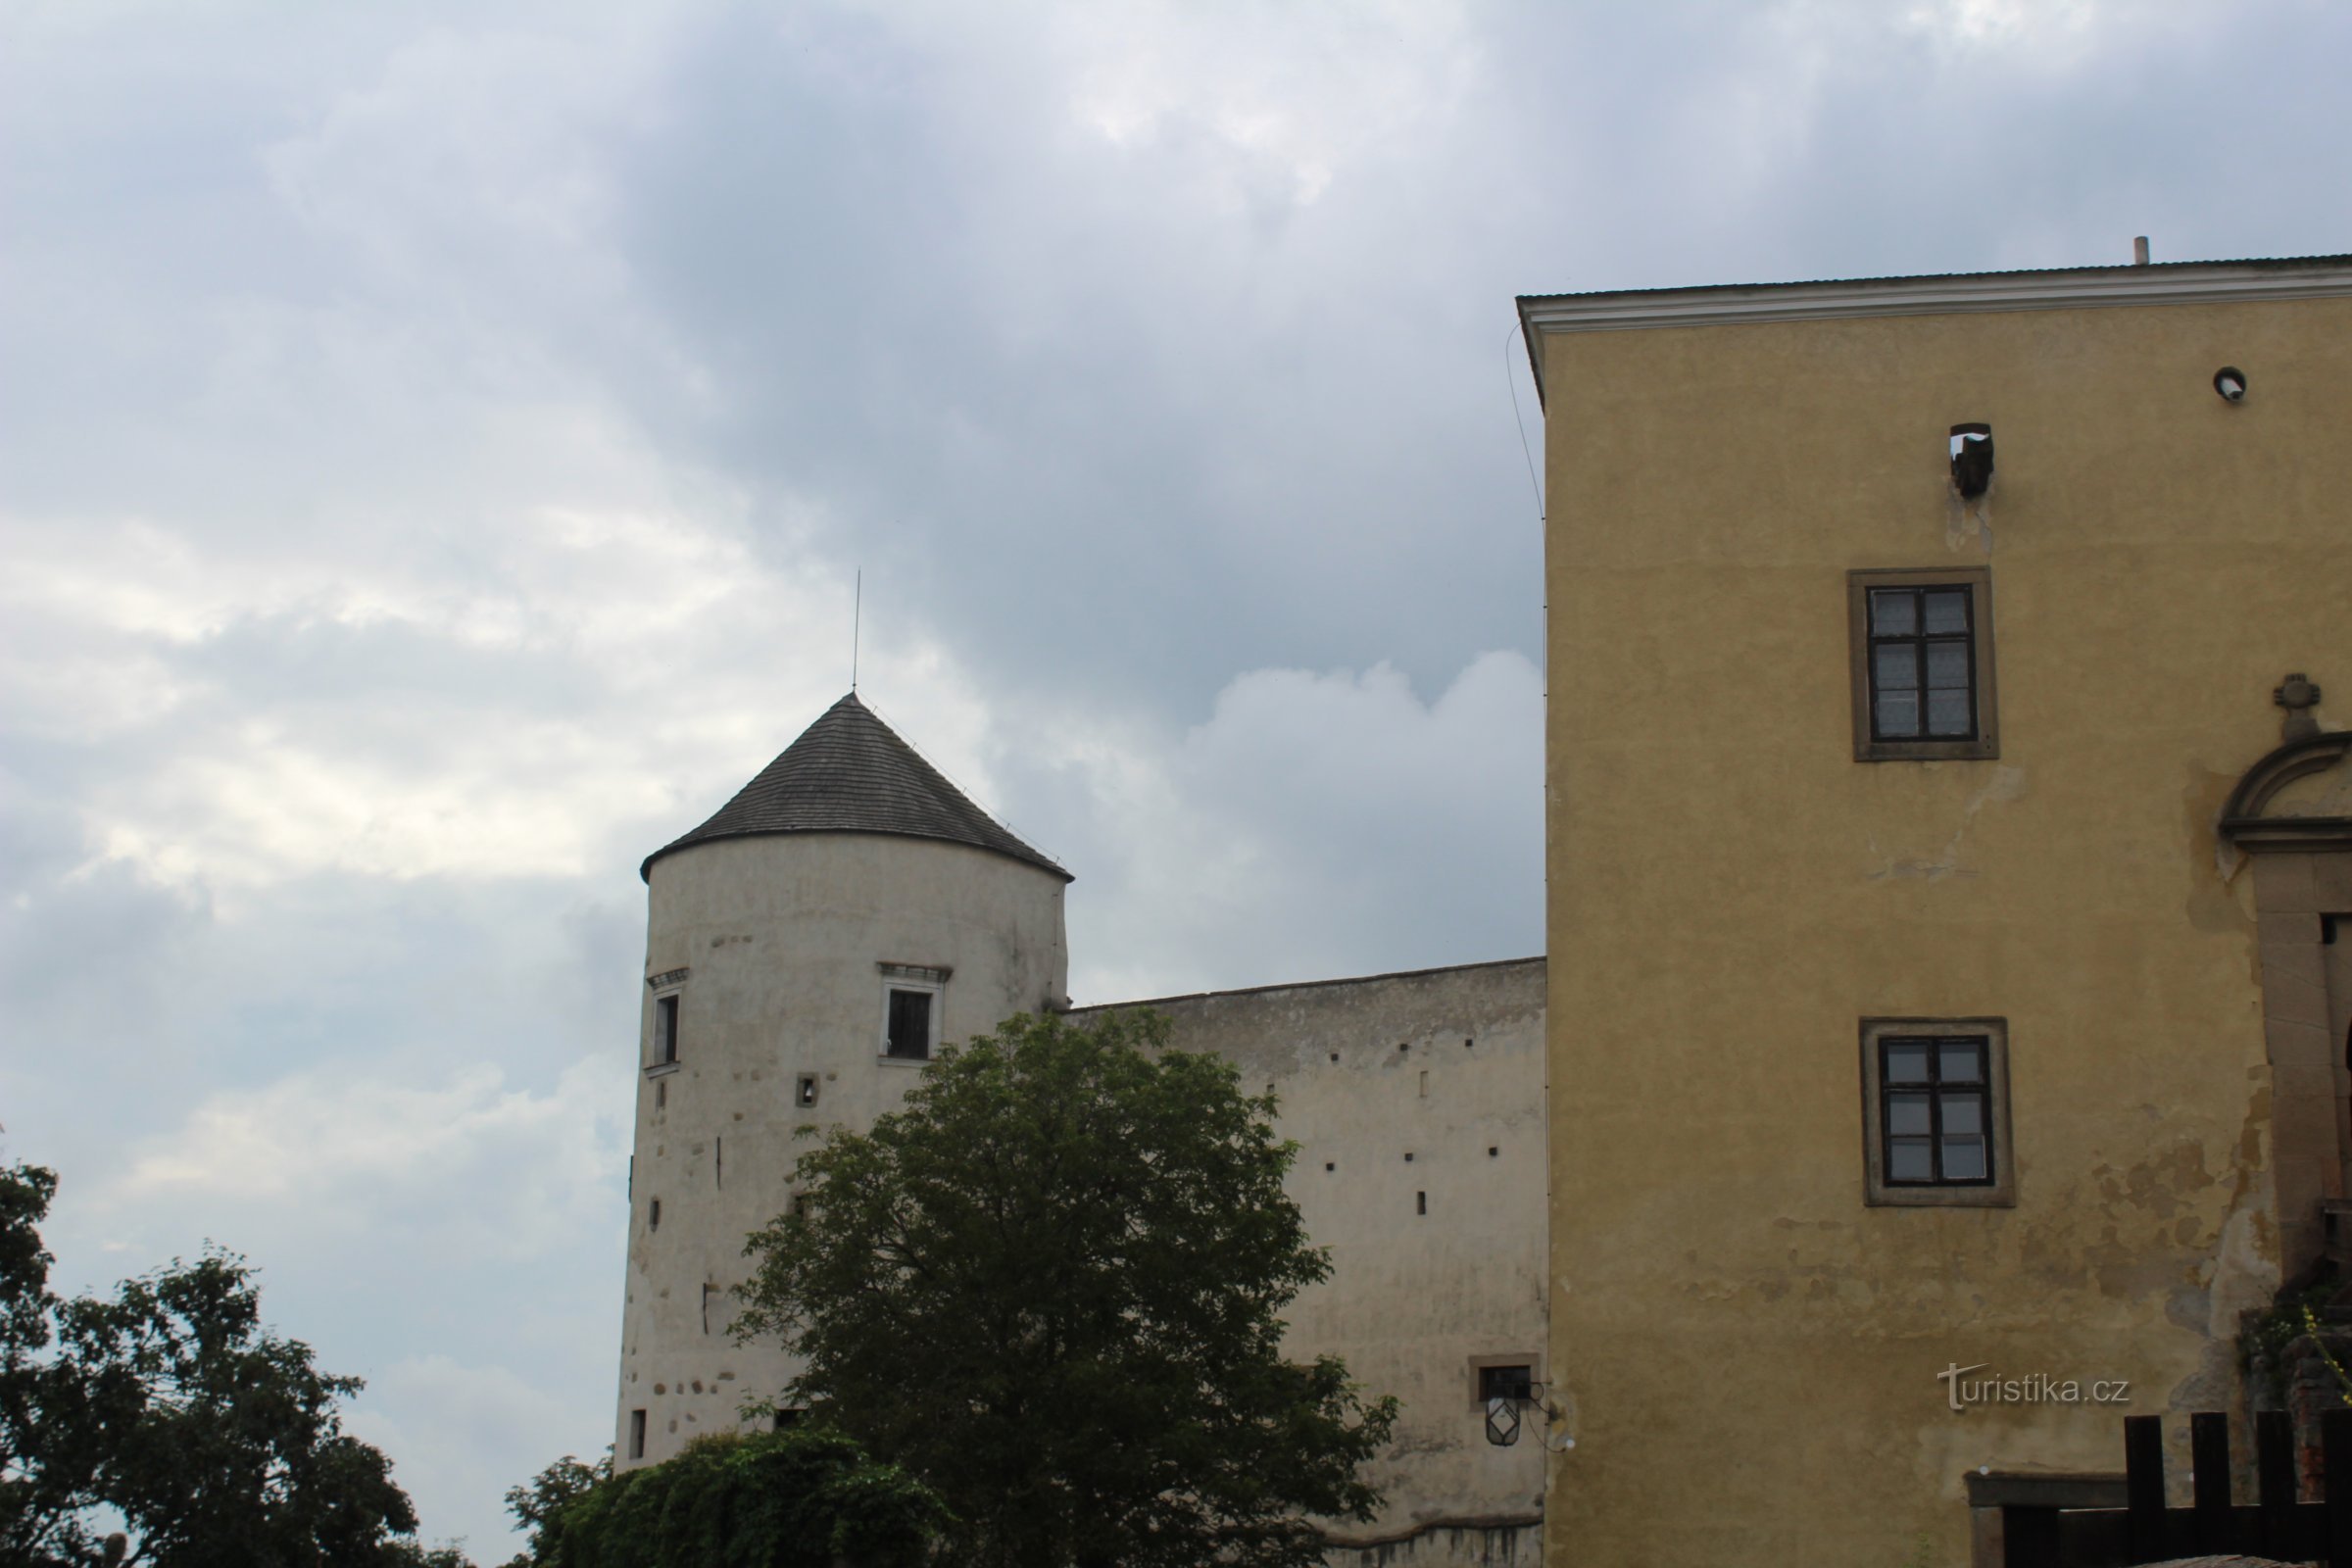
column 1316, row 825
column 471, row 1168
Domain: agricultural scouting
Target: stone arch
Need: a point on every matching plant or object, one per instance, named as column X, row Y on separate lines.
column 2292, row 815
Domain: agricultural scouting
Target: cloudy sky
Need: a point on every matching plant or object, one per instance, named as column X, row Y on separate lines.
column 437, row 443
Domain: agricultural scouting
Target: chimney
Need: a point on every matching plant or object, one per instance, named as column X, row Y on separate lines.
column 2139, row 250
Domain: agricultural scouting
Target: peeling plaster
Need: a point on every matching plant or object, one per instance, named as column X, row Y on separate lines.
column 2005, row 785
column 1967, row 525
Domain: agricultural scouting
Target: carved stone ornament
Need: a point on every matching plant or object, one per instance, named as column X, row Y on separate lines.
column 2298, row 695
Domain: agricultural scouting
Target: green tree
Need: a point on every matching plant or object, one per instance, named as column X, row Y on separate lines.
column 538, row 1505
column 1051, row 1285
column 219, row 1445
column 800, row 1499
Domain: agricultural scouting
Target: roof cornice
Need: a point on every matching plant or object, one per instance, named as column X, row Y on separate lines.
column 2088, row 287
column 1950, row 294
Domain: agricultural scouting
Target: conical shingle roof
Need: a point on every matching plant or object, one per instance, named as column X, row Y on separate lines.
column 848, row 772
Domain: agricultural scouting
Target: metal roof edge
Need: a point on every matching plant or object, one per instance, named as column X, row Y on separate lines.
column 1951, row 293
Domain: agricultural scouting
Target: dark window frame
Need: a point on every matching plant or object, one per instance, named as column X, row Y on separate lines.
column 1507, row 1380
column 1997, row 1189
column 927, row 1028
column 1481, row 1365
column 665, row 1030
column 1984, row 739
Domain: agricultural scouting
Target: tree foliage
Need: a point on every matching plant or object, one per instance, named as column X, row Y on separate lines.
column 218, row 1444
column 1051, row 1285
column 799, row 1498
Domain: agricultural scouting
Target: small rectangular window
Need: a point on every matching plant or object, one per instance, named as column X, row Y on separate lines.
column 803, row 1090
column 636, row 1434
column 665, row 1030
column 653, row 1217
column 1420, row 1202
column 910, row 1031
column 787, row 1418
column 1936, row 1111
column 1506, row 1382
column 1922, row 649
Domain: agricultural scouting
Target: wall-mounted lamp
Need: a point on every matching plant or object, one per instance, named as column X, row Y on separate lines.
column 1972, row 460
column 2231, row 382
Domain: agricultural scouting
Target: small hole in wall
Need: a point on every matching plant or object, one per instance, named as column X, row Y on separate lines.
column 660, row 1096
column 1329, row 1165
column 653, row 1220
column 1405, row 1045
column 1425, row 1083
column 1493, row 1151
column 1335, row 1055
column 1467, row 1042
column 1409, row 1156
column 1420, row 1202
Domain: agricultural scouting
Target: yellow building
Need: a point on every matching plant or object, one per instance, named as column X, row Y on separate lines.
column 1946, row 1005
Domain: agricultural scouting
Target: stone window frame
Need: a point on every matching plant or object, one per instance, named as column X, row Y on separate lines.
column 2001, row 1191
column 929, row 979
column 665, row 994
column 1985, row 743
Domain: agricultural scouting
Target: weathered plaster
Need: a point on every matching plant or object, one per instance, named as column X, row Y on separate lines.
column 1728, row 896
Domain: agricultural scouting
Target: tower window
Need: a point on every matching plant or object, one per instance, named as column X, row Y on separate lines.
column 1420, row 1202
column 636, row 1434
column 653, row 1218
column 908, row 1035
column 803, row 1090
column 665, row 1030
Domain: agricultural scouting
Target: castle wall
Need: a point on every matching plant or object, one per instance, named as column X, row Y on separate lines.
column 782, row 940
column 1417, row 1102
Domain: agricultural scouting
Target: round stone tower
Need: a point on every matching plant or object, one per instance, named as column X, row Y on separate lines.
column 808, row 949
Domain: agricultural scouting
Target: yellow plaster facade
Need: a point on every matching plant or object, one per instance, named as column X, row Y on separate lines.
column 1745, row 1351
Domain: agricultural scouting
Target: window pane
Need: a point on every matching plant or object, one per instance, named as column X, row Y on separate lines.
column 1947, row 611
column 1963, row 1113
column 1894, row 612
column 1963, row 1160
column 1961, row 1061
column 1907, row 1113
column 1907, row 1062
column 1910, row 1160
column 1505, row 1383
column 1897, row 713
column 911, row 1023
column 1947, row 666
column 1897, row 666
column 1947, row 713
